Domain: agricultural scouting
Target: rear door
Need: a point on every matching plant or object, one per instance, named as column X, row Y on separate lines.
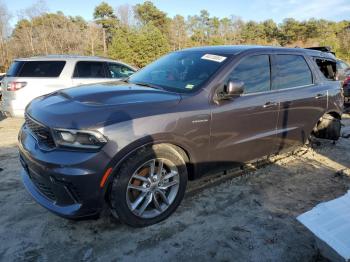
column 88, row 72
column 244, row 128
column 302, row 100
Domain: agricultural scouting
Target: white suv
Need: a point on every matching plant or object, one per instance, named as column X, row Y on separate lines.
column 28, row 78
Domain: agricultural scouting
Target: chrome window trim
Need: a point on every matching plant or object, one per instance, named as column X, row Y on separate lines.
column 278, row 90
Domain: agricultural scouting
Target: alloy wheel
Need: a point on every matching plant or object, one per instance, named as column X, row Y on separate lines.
column 152, row 188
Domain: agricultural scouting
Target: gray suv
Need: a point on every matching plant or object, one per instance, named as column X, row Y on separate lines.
column 134, row 144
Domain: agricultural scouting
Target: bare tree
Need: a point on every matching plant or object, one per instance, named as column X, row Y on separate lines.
column 4, row 34
column 178, row 33
column 29, row 14
column 125, row 14
column 93, row 34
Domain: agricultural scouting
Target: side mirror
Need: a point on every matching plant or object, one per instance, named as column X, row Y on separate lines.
column 234, row 88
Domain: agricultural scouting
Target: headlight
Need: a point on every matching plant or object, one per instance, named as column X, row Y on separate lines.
column 79, row 138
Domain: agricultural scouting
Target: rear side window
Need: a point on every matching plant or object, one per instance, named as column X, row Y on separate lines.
column 327, row 67
column 87, row 69
column 36, row 68
column 293, row 71
column 14, row 68
column 254, row 71
column 119, row 71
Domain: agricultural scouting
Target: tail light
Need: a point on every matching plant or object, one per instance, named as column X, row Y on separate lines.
column 14, row 86
column 346, row 81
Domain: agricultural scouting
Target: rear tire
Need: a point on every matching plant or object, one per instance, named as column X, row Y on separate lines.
column 328, row 127
column 149, row 186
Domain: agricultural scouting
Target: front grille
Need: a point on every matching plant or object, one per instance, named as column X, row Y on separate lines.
column 41, row 132
column 43, row 187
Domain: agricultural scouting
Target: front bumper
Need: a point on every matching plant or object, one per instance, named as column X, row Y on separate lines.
column 65, row 182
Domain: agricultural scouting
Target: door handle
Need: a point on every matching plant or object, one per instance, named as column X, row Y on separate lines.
column 270, row 104
column 318, row 96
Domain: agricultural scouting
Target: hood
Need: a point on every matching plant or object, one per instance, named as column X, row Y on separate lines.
column 94, row 106
column 109, row 94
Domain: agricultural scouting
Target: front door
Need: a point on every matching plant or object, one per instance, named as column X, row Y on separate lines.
column 89, row 72
column 244, row 128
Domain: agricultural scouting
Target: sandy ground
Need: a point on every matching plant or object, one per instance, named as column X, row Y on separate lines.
column 249, row 218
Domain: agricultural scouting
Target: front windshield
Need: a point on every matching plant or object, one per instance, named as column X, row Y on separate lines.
column 180, row 71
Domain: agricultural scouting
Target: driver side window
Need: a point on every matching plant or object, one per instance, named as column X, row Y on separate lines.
column 255, row 72
column 119, row 70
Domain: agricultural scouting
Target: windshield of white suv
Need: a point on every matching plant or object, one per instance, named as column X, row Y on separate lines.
column 180, row 71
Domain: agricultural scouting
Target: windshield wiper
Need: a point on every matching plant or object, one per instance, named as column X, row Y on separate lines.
column 147, row 85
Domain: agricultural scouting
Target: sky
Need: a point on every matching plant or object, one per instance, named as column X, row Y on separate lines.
column 256, row 10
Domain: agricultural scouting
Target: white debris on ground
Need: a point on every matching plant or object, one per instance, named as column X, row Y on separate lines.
column 330, row 223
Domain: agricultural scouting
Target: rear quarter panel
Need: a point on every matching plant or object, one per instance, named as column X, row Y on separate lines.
column 335, row 97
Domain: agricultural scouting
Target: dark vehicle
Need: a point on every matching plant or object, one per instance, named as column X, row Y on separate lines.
column 343, row 70
column 346, row 89
column 343, row 73
column 134, row 144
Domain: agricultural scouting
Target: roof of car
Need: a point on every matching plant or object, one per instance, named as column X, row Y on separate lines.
column 68, row 57
column 225, row 49
column 235, row 49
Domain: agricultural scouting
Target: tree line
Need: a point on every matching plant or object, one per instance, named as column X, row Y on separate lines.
column 139, row 34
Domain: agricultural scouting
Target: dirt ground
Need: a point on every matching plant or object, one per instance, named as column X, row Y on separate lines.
column 249, row 218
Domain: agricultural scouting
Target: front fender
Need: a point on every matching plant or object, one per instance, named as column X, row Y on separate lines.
column 129, row 136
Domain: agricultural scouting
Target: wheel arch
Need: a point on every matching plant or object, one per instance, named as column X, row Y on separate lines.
column 328, row 126
column 132, row 148
column 334, row 113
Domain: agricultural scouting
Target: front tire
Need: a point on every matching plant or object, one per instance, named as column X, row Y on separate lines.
column 149, row 186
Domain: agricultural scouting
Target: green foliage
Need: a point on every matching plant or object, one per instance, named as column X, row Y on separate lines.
column 270, row 30
column 104, row 16
column 253, row 32
column 103, row 11
column 139, row 47
column 150, row 45
column 148, row 13
column 122, row 45
column 291, row 31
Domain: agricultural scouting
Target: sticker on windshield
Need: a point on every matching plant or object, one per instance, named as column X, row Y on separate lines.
column 215, row 58
column 189, row 86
